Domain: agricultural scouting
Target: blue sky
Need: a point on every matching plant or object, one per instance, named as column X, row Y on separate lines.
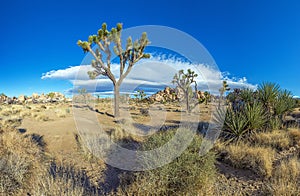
column 258, row 40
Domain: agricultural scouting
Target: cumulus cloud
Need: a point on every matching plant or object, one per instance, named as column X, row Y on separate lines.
column 150, row 75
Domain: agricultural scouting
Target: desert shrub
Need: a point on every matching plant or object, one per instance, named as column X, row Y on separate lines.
column 274, row 123
column 68, row 111
column 9, row 123
column 295, row 136
column 188, row 174
column 144, row 111
column 256, row 158
column 61, row 113
column 14, row 170
column 63, row 179
column 43, row 107
column 41, row 117
column 19, row 162
column 286, row 178
column 6, row 111
column 25, row 113
column 278, row 139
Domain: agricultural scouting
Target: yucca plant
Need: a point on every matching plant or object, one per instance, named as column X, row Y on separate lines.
column 256, row 115
column 284, row 103
column 236, row 125
column 247, row 95
column 267, row 93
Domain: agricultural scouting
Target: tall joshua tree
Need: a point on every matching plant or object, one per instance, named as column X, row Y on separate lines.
column 184, row 82
column 128, row 56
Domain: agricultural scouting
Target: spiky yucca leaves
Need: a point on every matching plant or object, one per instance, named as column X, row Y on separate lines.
column 256, row 116
column 128, row 56
column 247, row 95
column 284, row 103
column 236, row 125
column 267, row 93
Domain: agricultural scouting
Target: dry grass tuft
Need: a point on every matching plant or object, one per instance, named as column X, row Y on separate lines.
column 258, row 159
column 63, row 178
column 61, row 113
column 278, row 139
column 295, row 135
column 19, row 162
column 40, row 117
column 286, row 178
column 9, row 123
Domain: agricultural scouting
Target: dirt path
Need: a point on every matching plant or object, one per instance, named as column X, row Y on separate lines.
column 58, row 134
column 233, row 181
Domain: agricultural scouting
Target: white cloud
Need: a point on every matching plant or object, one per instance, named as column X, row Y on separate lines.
column 152, row 74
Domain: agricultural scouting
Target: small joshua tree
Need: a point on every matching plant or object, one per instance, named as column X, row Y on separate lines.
column 51, row 95
column 207, row 97
column 140, row 95
column 222, row 91
column 184, row 82
column 83, row 93
column 128, row 56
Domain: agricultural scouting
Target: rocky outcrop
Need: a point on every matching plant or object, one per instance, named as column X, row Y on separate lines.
column 3, row 98
column 35, row 98
column 21, row 99
column 171, row 94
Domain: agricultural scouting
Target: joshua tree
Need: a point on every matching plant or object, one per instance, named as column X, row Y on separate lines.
column 207, row 97
column 184, row 82
column 140, row 95
column 51, row 95
column 128, row 56
column 83, row 93
column 98, row 98
column 222, row 90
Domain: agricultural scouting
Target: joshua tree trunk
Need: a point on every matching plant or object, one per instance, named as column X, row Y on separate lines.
column 187, row 102
column 116, row 100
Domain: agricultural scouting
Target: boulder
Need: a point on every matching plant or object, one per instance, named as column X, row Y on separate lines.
column 21, row 99
column 3, row 98
column 35, row 96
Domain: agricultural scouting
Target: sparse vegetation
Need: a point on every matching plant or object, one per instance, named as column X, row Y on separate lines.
column 258, row 159
column 249, row 144
column 285, row 179
column 189, row 174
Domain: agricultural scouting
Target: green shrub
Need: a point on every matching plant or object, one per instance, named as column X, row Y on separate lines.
column 188, row 174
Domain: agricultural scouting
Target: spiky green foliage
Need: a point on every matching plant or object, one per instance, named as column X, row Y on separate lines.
column 128, row 56
column 256, row 116
column 263, row 110
column 284, row 103
column 267, row 93
column 184, row 81
column 247, row 95
column 236, row 125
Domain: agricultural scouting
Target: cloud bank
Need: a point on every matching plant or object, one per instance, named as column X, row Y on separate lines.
column 150, row 75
